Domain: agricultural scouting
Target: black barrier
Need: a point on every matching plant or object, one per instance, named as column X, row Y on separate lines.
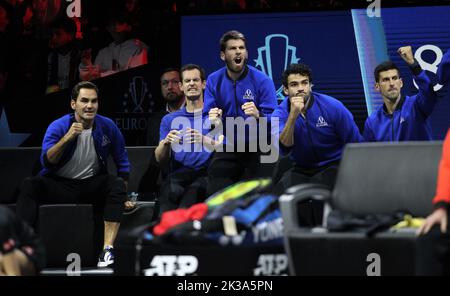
column 151, row 259
column 128, row 97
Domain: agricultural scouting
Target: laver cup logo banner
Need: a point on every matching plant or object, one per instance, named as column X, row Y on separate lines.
column 275, row 56
column 138, row 91
column 136, row 104
column 128, row 97
column 343, row 48
column 323, row 40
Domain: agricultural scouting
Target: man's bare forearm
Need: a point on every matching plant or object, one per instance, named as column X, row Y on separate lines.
column 54, row 154
column 162, row 152
column 287, row 135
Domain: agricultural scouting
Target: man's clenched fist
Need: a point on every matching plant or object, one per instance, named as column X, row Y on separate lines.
column 215, row 116
column 406, row 53
column 250, row 109
column 74, row 131
column 297, row 105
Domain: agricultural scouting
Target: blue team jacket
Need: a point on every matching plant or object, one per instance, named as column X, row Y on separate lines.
column 108, row 140
column 320, row 137
column 224, row 93
column 253, row 85
column 409, row 122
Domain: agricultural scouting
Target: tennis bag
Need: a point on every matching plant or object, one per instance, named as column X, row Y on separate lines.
column 254, row 220
column 241, row 214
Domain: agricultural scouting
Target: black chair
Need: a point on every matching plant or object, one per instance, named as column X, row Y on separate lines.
column 71, row 228
column 15, row 165
column 373, row 178
column 140, row 159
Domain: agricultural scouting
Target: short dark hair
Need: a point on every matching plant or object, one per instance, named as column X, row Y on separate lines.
column 188, row 67
column 301, row 69
column 65, row 23
column 80, row 85
column 384, row 66
column 169, row 69
column 229, row 36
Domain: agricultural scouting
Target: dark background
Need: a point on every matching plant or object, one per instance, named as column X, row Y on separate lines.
column 157, row 23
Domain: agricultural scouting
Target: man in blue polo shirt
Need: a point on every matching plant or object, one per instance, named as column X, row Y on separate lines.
column 313, row 130
column 403, row 118
column 184, row 149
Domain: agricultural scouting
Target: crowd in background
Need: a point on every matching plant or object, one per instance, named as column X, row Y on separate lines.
column 28, row 29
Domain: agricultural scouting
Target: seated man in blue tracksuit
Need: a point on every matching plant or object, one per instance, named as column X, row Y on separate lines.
column 74, row 154
column 313, row 129
column 402, row 118
column 184, row 149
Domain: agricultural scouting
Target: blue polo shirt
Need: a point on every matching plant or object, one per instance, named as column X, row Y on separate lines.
column 183, row 155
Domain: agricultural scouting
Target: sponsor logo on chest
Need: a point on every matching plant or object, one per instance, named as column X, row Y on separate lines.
column 248, row 95
column 321, row 122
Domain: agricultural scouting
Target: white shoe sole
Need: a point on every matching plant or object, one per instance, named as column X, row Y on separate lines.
column 104, row 264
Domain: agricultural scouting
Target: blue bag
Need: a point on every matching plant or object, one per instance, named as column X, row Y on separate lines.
column 257, row 217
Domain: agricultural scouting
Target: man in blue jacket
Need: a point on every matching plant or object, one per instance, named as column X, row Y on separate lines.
column 313, row 129
column 74, row 154
column 237, row 91
column 402, row 118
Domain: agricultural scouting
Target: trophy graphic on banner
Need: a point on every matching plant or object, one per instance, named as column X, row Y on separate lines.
column 276, row 45
column 138, row 90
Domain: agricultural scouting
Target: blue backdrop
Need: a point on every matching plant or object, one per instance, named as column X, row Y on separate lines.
column 325, row 41
column 342, row 49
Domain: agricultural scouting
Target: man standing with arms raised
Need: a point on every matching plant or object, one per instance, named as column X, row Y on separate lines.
column 236, row 91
